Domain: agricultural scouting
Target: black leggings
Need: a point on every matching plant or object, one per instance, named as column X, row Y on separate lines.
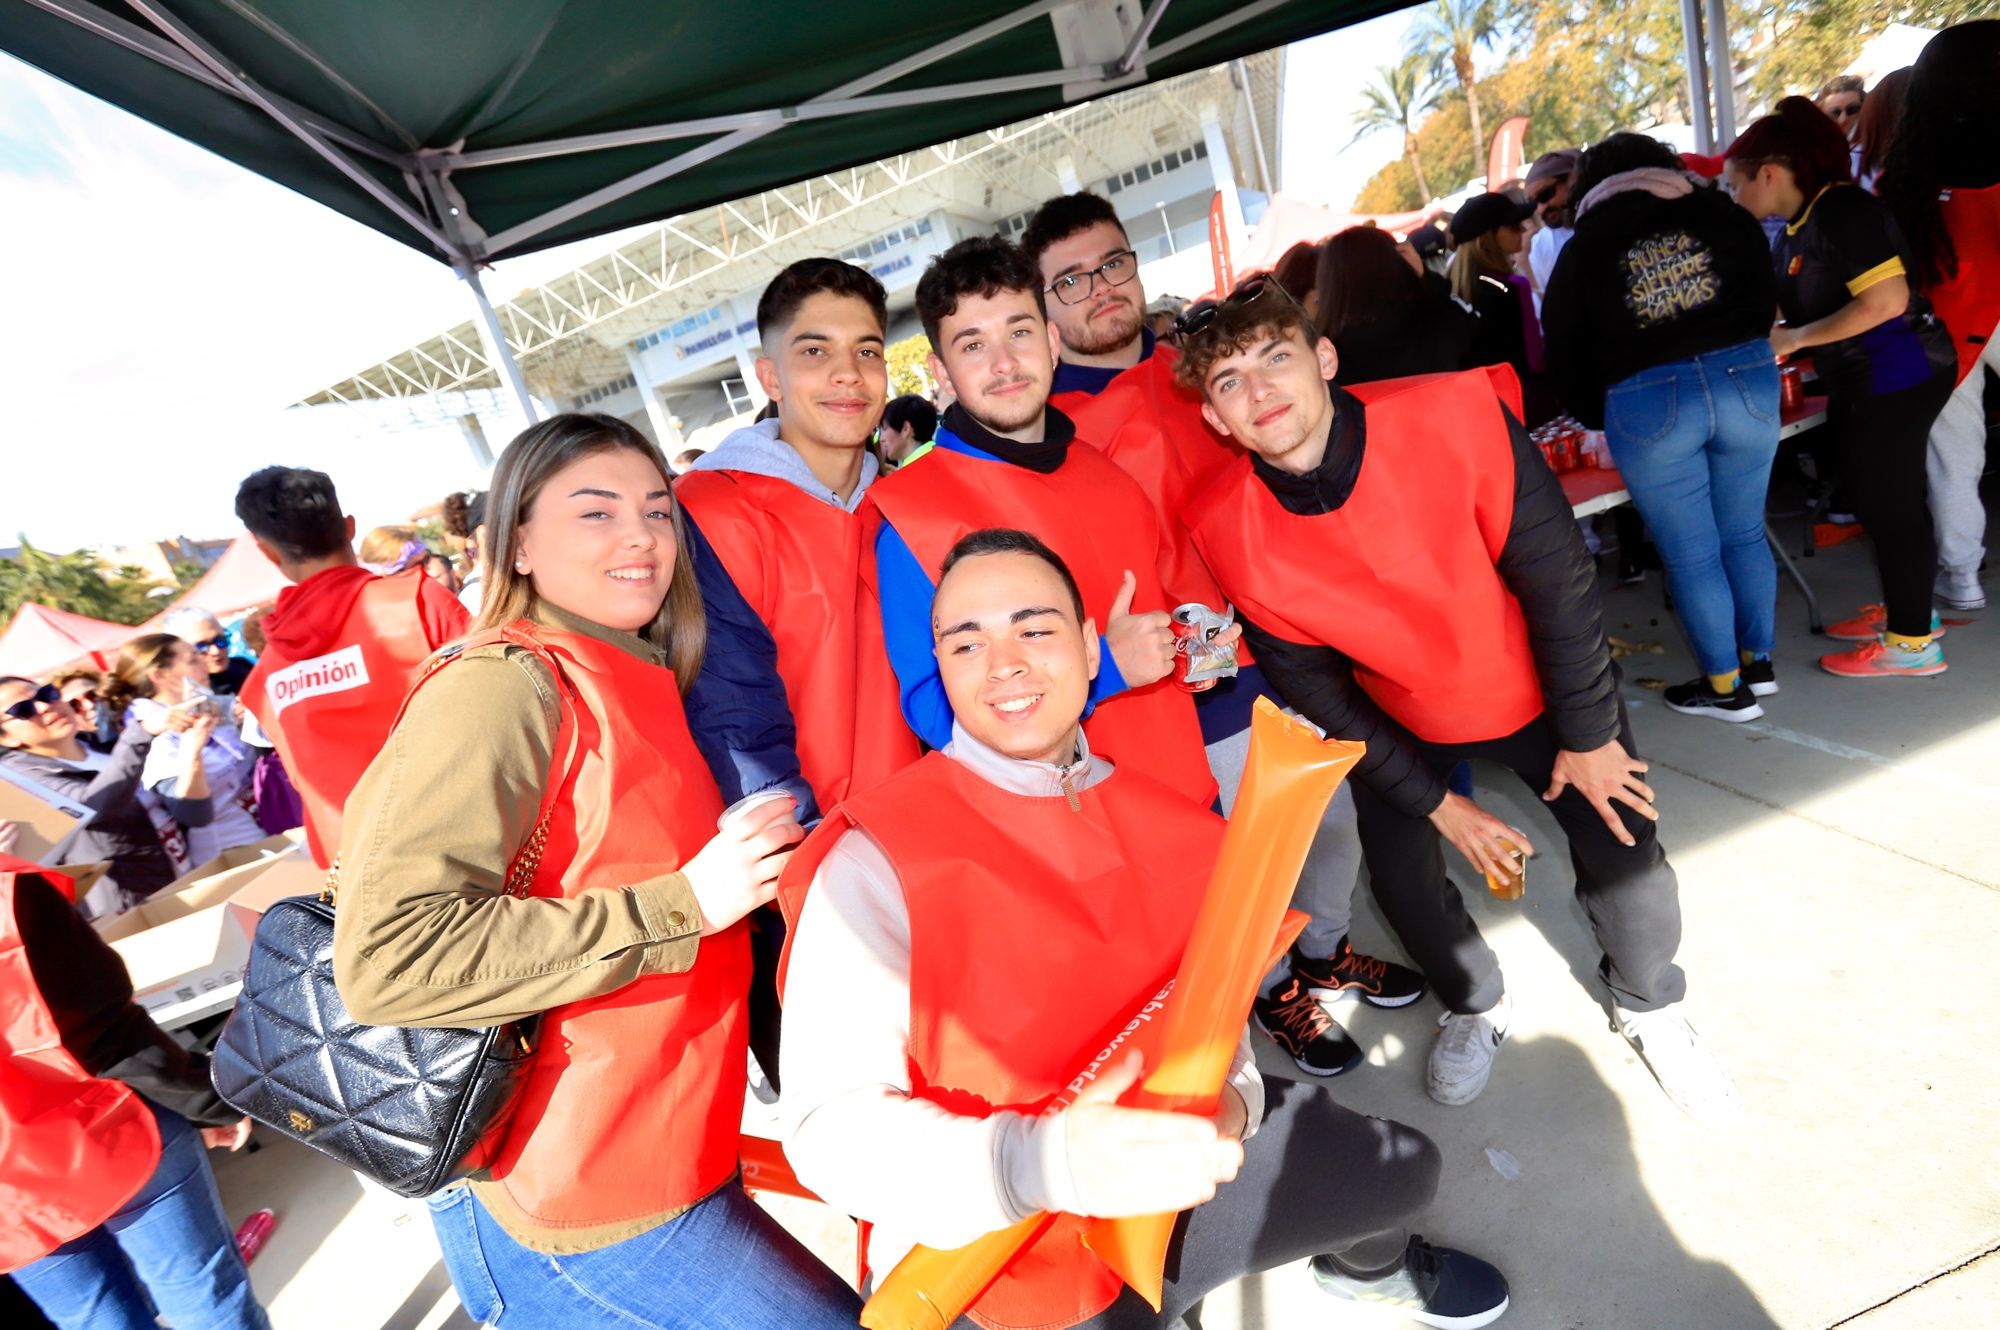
column 1316, row 1178
column 1884, row 440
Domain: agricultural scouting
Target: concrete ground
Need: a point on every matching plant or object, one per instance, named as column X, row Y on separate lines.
column 1839, row 869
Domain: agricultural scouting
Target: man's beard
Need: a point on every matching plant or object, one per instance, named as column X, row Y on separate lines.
column 1556, row 216
column 1102, row 336
column 1004, row 414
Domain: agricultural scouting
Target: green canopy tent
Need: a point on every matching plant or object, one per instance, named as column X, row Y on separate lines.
column 476, row 129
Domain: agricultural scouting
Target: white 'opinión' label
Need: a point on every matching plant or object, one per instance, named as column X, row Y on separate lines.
column 335, row 672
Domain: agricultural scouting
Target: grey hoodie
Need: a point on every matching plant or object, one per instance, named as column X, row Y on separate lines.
column 757, row 450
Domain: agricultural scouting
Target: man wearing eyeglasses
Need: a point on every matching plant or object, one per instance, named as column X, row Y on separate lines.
column 205, row 633
column 1116, row 382
column 1411, row 578
column 1548, row 186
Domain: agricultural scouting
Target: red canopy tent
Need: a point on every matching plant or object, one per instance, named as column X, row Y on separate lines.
column 1290, row 221
column 40, row 641
column 241, row 579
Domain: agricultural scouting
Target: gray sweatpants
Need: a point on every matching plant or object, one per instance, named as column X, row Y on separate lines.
column 1957, row 456
column 1325, row 889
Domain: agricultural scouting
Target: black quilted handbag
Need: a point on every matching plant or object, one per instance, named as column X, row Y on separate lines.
column 412, row 1108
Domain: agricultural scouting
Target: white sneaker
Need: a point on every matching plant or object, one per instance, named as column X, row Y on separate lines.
column 1958, row 591
column 1681, row 1063
column 1462, row 1058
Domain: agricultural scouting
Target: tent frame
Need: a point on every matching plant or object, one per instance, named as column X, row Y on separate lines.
column 1098, row 55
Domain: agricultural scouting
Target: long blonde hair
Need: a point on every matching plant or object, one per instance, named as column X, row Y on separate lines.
column 131, row 676
column 536, row 454
column 1476, row 258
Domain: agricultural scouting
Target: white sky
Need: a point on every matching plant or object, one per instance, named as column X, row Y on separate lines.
column 166, row 306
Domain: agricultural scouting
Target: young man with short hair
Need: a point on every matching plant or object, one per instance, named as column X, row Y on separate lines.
column 777, row 503
column 1411, row 577
column 340, row 646
column 948, row 973
column 1002, row 458
column 1116, row 382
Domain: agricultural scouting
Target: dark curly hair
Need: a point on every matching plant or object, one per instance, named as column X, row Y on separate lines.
column 294, row 510
column 1062, row 217
column 977, row 266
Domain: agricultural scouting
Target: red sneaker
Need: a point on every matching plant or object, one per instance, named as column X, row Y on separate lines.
column 1879, row 660
column 1870, row 624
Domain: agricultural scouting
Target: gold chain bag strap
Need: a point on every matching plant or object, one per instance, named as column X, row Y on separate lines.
column 414, row 1108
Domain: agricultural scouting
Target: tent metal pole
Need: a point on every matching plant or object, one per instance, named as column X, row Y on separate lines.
column 498, row 353
column 1721, row 75
column 1256, row 130
column 188, row 40
column 137, row 40
column 1196, row 36
column 1697, row 66
column 1136, row 48
column 673, row 166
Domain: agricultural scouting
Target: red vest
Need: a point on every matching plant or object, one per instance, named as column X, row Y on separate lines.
column 73, row 1148
column 635, row 1099
column 329, row 712
column 1078, row 917
column 797, row 561
column 1101, row 524
column 1969, row 302
column 1156, row 434
column 1402, row 578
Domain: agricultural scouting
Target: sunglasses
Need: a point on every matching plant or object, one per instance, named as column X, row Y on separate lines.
column 212, row 644
column 1200, row 315
column 1547, row 192
column 1074, row 288
column 48, row 695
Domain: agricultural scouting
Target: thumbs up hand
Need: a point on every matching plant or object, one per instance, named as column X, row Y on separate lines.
column 1141, row 644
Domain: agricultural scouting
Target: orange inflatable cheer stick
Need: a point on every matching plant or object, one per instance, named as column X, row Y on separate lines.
column 1288, row 778
column 1189, row 1031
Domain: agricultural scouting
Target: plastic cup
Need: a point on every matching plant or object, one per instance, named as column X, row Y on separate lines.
column 1513, row 885
column 746, row 803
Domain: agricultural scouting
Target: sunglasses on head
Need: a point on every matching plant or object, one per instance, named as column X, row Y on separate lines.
column 48, row 695
column 1200, row 315
column 212, row 644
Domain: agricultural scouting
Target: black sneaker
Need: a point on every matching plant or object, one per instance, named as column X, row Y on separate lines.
column 1436, row 1286
column 1696, row 698
column 1347, row 972
column 1299, row 1025
column 1760, row 678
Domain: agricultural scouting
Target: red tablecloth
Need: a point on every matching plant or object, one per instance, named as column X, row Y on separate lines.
column 1588, row 483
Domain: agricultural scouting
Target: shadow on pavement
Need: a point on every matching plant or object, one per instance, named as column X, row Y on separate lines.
column 1578, row 1234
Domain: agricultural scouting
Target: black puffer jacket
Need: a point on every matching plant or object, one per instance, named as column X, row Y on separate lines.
column 1545, row 565
column 122, row 833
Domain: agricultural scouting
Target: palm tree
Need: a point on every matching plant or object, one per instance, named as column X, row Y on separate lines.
column 73, row 582
column 1444, row 36
column 1399, row 95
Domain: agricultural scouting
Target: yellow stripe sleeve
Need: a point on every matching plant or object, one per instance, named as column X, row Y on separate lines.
column 1876, row 275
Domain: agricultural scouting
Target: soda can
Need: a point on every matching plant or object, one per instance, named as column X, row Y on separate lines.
column 1198, row 661
column 1791, row 387
column 256, row 1230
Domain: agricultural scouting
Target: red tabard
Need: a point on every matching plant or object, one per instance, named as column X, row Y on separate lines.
column 341, row 649
column 1156, row 434
column 1035, row 934
column 1401, row 578
column 1101, row 523
column 797, row 562
column 635, row 1099
column 73, row 1148
column 1969, row 302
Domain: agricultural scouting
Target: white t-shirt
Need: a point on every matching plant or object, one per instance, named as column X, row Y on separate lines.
column 1543, row 251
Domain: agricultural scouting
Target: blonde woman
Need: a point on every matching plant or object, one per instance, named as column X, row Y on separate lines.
column 1488, row 234
column 540, row 836
column 201, row 774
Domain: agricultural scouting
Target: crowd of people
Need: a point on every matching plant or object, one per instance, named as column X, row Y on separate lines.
column 852, row 751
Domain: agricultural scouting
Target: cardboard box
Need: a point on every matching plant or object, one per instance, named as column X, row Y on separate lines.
column 202, row 888
column 187, row 946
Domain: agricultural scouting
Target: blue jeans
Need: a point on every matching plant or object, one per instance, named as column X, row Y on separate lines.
column 171, row 1241
column 723, row 1265
column 1694, row 440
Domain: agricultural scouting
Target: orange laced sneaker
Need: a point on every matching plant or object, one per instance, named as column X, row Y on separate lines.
column 1879, row 660
column 1870, row 624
